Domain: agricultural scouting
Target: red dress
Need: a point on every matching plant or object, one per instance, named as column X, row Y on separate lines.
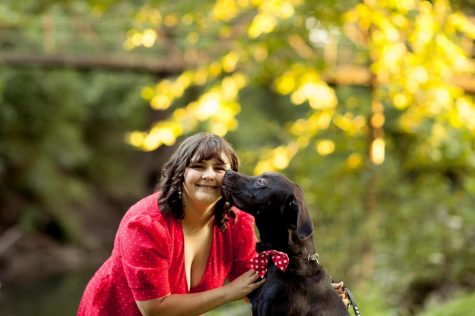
column 147, row 260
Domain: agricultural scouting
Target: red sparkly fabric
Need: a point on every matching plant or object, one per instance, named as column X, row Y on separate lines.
column 147, row 261
column 259, row 262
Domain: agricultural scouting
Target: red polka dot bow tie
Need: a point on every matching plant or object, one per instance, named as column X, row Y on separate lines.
column 259, row 262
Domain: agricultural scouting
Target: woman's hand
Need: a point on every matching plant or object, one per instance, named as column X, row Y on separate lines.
column 341, row 293
column 243, row 285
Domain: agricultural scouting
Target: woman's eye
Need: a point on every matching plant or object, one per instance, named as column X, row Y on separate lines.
column 197, row 167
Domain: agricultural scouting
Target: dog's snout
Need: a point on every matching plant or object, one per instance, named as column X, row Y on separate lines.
column 229, row 177
column 228, row 172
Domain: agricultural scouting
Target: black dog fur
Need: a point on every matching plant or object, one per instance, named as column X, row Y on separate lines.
column 284, row 225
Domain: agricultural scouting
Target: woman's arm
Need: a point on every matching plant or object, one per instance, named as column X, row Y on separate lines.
column 202, row 302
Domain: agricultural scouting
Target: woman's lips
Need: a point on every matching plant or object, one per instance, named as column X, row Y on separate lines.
column 207, row 186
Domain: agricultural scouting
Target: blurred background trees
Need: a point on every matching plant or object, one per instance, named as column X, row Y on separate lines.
column 368, row 105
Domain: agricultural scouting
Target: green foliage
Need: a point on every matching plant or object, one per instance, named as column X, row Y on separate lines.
column 61, row 137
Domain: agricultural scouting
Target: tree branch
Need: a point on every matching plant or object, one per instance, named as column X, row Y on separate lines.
column 342, row 75
column 162, row 67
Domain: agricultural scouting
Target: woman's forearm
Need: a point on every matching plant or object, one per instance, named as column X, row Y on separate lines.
column 185, row 304
column 202, row 302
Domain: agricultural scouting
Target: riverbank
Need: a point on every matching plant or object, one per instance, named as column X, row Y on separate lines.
column 26, row 257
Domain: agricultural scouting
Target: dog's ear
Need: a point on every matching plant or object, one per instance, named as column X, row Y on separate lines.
column 296, row 215
column 290, row 212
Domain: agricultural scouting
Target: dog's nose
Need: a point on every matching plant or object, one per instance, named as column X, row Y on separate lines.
column 229, row 172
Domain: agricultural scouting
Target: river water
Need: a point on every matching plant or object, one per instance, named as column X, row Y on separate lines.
column 54, row 296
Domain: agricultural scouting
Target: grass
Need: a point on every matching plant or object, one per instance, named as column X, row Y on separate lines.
column 464, row 305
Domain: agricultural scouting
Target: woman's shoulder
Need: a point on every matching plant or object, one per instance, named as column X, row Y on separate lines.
column 146, row 207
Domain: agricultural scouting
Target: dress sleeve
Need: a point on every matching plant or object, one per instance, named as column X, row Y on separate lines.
column 145, row 250
column 244, row 245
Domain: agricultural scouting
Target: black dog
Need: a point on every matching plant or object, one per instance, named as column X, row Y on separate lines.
column 284, row 225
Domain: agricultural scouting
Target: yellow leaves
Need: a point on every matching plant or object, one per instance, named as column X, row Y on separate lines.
column 147, row 93
column 170, row 20
column 149, row 37
column 161, row 102
column 361, row 15
column 305, row 129
column 438, row 135
column 325, row 147
column 161, row 133
column 217, row 106
column 231, row 85
column 149, row 15
column 389, row 59
column 230, row 61
column 415, row 68
column 377, row 120
column 401, row 101
column 192, row 38
column 377, row 151
column 280, row 8
column 286, row 83
column 454, row 54
column 136, row 138
column 150, row 19
column 464, row 114
column 268, row 16
column 304, row 84
column 440, row 98
column 167, row 91
column 260, row 52
column 459, row 22
column 425, row 27
column 319, row 95
column 354, row 161
column 262, row 23
column 136, row 38
column 225, row 10
column 276, row 159
column 207, row 105
column 419, row 74
column 350, row 124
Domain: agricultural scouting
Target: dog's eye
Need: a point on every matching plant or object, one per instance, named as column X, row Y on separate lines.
column 261, row 182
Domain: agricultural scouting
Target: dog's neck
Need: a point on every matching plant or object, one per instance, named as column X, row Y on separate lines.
column 295, row 245
column 300, row 245
column 303, row 259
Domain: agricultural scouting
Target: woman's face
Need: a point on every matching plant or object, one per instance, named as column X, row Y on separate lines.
column 203, row 180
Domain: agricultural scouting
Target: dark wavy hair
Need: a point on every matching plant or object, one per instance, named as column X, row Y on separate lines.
column 201, row 146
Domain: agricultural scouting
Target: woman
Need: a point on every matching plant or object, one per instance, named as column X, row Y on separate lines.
column 174, row 249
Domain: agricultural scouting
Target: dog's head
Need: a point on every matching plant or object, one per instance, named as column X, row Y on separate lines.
column 276, row 203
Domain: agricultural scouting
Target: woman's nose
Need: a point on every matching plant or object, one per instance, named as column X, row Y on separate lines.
column 208, row 173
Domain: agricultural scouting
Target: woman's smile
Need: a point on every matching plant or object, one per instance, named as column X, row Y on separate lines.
column 207, row 186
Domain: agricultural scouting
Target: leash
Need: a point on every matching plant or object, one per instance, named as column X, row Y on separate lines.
column 352, row 301
column 316, row 258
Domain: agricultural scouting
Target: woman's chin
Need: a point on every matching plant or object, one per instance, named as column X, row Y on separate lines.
column 208, row 197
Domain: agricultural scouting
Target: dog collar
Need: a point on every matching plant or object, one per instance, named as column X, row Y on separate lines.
column 260, row 261
column 314, row 257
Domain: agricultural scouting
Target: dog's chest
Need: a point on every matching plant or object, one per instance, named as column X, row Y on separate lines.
column 290, row 295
